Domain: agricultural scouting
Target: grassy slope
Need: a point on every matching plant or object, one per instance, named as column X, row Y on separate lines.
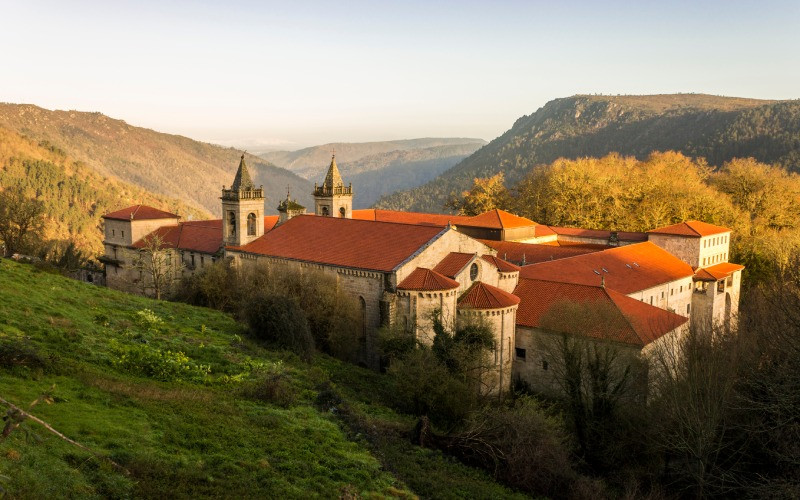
column 193, row 438
column 165, row 164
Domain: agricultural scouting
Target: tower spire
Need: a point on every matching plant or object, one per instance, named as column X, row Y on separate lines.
column 242, row 181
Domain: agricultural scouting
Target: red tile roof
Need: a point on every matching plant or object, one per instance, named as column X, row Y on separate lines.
column 532, row 253
column 192, row 237
column 692, row 229
column 140, row 212
column 501, row 265
column 493, row 219
column 428, row 280
column 498, row 219
column 483, row 296
column 611, row 315
column 419, row 218
column 599, row 233
column 453, row 263
column 717, row 271
column 359, row 244
column 626, row 269
column 269, row 222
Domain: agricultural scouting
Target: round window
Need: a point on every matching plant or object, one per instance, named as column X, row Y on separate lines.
column 473, row 271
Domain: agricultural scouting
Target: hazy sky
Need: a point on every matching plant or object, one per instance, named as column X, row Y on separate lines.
column 301, row 73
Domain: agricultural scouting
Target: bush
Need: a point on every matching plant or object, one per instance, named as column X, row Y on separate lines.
column 161, row 365
column 280, row 320
column 424, row 386
column 273, row 388
column 17, row 353
column 529, row 449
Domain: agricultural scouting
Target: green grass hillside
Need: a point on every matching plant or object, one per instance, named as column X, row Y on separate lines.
column 189, row 406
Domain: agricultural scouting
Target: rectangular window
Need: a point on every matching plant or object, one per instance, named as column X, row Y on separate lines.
column 520, row 353
column 681, row 291
column 123, row 233
column 545, row 365
column 113, row 232
column 671, row 291
column 651, row 300
column 202, row 261
column 662, row 294
column 721, row 286
column 192, row 260
column 688, row 307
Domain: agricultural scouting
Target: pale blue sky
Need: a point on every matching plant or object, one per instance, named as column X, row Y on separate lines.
column 300, row 73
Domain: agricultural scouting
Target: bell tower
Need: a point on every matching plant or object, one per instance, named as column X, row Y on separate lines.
column 333, row 198
column 242, row 209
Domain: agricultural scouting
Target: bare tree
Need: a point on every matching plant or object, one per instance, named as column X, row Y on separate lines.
column 159, row 266
column 20, row 217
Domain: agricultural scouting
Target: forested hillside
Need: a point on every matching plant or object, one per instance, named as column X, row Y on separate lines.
column 759, row 202
column 73, row 195
column 715, row 128
column 165, row 164
column 310, row 163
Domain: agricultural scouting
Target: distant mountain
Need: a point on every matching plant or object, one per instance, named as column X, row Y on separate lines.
column 74, row 195
column 378, row 168
column 170, row 165
column 716, row 128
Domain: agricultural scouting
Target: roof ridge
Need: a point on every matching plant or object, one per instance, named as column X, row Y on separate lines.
column 622, row 313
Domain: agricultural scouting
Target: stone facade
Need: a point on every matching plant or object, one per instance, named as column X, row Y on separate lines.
column 502, row 321
column 519, row 349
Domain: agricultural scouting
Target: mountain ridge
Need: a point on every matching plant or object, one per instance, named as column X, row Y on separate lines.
column 699, row 125
column 166, row 164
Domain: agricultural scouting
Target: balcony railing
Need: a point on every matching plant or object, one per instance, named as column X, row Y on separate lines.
column 242, row 194
column 333, row 191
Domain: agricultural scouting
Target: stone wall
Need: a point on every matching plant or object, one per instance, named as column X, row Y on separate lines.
column 498, row 377
column 416, row 310
column 697, row 252
column 538, row 361
column 673, row 296
column 716, row 303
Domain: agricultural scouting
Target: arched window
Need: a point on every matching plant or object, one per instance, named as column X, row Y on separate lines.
column 231, row 224
column 251, row 224
column 342, row 212
column 325, row 212
column 473, row 271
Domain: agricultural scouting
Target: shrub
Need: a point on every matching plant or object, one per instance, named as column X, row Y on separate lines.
column 149, row 319
column 17, row 353
column 280, row 319
column 273, row 388
column 528, row 449
column 161, row 365
column 424, row 386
